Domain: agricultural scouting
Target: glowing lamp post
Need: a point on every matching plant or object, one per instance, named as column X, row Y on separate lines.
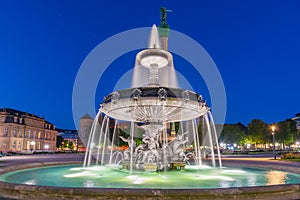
column 273, row 134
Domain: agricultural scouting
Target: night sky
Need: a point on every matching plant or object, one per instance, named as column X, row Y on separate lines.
column 254, row 43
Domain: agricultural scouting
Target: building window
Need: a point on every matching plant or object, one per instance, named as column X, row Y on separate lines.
column 15, row 132
column 34, row 134
column 4, row 145
column 5, row 132
column 14, row 144
column 20, row 132
column 19, row 145
column 28, row 134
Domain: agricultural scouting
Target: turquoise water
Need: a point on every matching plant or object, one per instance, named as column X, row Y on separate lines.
column 107, row 177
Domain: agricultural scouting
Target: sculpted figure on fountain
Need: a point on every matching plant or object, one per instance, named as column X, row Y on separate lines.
column 177, row 147
column 131, row 144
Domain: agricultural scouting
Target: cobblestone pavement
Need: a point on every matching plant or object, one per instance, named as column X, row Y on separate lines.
column 265, row 162
column 36, row 158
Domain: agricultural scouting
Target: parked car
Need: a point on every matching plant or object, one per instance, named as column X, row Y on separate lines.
column 26, row 152
column 7, row 153
column 43, row 152
column 1, row 155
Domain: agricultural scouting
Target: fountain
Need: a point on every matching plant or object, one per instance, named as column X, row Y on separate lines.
column 147, row 141
column 153, row 104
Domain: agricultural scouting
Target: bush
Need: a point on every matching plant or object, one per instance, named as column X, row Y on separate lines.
column 291, row 156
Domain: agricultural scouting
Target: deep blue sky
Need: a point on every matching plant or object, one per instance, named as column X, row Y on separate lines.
column 254, row 43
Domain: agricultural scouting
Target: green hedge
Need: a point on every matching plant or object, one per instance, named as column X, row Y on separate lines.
column 289, row 156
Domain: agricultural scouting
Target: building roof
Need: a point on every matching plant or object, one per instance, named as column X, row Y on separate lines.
column 19, row 113
column 86, row 116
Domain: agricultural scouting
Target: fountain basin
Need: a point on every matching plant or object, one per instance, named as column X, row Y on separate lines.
column 191, row 178
column 21, row 191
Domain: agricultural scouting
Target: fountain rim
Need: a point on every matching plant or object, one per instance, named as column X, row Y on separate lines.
column 163, row 54
column 13, row 190
column 170, row 93
column 186, row 104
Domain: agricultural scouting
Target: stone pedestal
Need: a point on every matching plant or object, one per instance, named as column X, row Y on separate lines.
column 150, row 167
column 177, row 166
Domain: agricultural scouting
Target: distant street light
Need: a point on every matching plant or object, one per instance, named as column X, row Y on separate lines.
column 46, row 146
column 273, row 134
column 248, row 146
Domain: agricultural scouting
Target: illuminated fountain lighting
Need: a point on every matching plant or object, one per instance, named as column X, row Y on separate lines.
column 152, row 108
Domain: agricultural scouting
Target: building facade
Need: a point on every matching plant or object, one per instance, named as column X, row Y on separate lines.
column 69, row 140
column 297, row 120
column 21, row 131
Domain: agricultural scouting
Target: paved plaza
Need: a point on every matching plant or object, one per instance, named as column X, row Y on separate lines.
column 259, row 161
column 39, row 158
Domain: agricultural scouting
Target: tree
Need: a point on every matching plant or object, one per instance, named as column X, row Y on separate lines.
column 258, row 132
column 59, row 141
column 66, row 144
column 71, row 145
column 233, row 134
column 286, row 132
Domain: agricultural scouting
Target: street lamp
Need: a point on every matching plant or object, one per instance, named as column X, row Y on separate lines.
column 273, row 134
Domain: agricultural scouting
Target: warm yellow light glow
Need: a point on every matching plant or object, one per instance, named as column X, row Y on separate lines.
column 275, row 177
column 273, row 127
